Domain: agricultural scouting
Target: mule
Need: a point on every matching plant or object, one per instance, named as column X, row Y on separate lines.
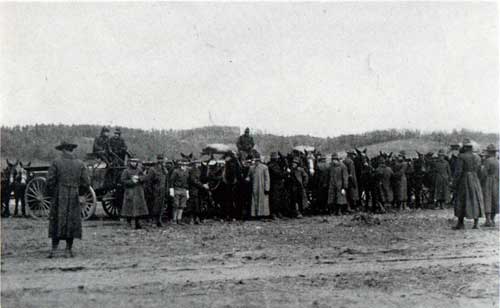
column 7, row 186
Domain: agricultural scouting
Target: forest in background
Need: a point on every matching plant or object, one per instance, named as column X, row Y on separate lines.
column 36, row 142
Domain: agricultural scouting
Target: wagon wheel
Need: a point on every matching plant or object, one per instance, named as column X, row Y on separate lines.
column 38, row 203
column 112, row 203
column 88, row 203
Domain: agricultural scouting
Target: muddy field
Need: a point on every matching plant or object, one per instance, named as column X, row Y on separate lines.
column 410, row 259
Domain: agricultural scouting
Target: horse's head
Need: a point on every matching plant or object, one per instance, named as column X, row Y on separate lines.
column 11, row 171
column 22, row 173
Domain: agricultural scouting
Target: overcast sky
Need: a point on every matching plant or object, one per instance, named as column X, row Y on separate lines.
column 290, row 68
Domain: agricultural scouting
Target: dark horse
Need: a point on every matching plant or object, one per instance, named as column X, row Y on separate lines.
column 20, row 182
column 228, row 190
column 7, row 186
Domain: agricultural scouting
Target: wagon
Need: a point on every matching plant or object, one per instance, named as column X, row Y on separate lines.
column 105, row 187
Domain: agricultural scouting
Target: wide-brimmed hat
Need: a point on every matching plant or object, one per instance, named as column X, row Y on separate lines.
column 441, row 152
column 351, row 152
column 454, row 146
column 491, row 148
column 335, row 156
column 66, row 146
column 118, row 131
column 160, row 157
column 104, row 129
column 274, row 155
column 402, row 153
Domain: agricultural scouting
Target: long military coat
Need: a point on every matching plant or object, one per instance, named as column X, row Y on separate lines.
column 352, row 187
column 401, row 168
column 158, row 187
column 299, row 182
column 338, row 180
column 66, row 176
column 277, row 191
column 134, row 203
column 442, row 178
column 490, row 185
column 469, row 201
column 384, row 175
column 259, row 179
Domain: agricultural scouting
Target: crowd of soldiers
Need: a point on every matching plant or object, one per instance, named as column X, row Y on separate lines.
column 244, row 187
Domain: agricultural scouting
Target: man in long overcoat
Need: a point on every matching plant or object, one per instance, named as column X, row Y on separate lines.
column 321, row 185
column 67, row 176
column 352, row 187
column 298, row 183
column 157, row 179
column 258, row 175
column 134, row 203
column 277, row 174
column 383, row 175
column 469, row 202
column 442, row 179
column 196, row 189
column 401, row 169
column 490, row 185
column 338, row 182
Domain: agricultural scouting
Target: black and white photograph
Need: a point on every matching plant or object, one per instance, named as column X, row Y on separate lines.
column 249, row 154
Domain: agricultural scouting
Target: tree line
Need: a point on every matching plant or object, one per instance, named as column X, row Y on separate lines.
column 36, row 142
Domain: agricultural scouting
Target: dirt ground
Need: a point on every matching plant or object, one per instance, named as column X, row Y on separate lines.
column 411, row 259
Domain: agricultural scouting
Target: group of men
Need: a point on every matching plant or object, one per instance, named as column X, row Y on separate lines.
column 275, row 189
column 112, row 150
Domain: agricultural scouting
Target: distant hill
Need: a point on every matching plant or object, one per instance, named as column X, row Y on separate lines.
column 36, row 142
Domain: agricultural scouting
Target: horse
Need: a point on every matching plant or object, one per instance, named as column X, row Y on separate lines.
column 367, row 181
column 21, row 180
column 7, row 186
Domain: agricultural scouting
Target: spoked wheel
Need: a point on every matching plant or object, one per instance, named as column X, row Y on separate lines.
column 88, row 203
column 37, row 202
column 112, row 203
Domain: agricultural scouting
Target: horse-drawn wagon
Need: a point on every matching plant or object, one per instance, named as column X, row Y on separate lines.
column 105, row 188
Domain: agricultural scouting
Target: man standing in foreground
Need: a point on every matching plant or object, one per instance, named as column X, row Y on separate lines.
column 469, row 202
column 259, row 180
column 66, row 176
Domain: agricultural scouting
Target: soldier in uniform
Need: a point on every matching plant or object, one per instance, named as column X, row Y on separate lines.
column 118, row 147
column 277, row 175
column 179, row 190
column 66, row 177
column 134, row 202
column 338, row 182
column 101, row 145
column 299, row 183
column 196, row 189
column 442, row 179
column 352, row 187
column 258, row 176
column 490, row 185
column 469, row 201
column 245, row 144
column 401, row 169
column 321, row 185
column 157, row 179
column 383, row 175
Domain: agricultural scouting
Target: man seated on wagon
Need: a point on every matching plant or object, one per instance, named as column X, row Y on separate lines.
column 118, row 147
column 101, row 145
column 245, row 144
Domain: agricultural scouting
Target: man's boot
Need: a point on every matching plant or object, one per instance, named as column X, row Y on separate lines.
column 55, row 244
column 137, row 224
column 460, row 225
column 475, row 226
